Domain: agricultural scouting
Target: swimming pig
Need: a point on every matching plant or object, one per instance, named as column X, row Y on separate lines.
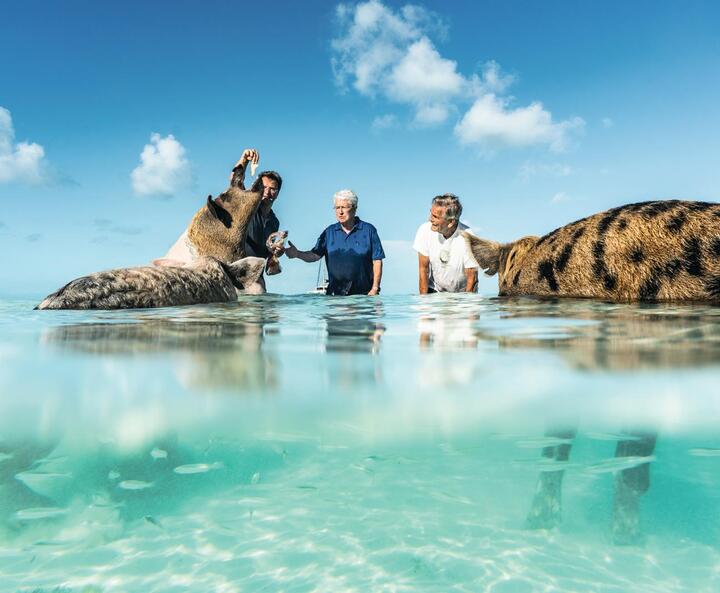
column 207, row 264
column 205, row 280
column 649, row 251
column 218, row 229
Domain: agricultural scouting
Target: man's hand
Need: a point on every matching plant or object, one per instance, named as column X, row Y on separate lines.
column 374, row 291
column 249, row 155
column 277, row 250
column 291, row 251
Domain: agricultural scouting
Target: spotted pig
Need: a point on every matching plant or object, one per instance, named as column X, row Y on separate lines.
column 649, row 251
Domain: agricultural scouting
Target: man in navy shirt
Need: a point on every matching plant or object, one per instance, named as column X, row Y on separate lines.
column 351, row 248
column 264, row 222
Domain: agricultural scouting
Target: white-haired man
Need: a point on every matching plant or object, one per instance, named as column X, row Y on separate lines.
column 351, row 248
column 445, row 263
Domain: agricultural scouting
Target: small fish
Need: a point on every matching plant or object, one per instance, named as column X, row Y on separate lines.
column 255, row 478
column 452, row 497
column 542, row 442
column 362, row 468
column 544, row 464
column 113, row 475
column 51, row 459
column 617, row 464
column 153, row 521
column 49, row 543
column 609, row 436
column 36, row 475
column 158, row 454
column 198, row 468
column 134, row 485
column 37, row 513
column 704, row 452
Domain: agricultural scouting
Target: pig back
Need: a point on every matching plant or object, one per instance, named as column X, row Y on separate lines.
column 649, row 251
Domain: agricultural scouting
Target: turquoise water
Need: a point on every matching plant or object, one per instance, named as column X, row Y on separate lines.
column 395, row 444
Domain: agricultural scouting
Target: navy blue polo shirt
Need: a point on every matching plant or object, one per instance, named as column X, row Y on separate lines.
column 258, row 231
column 349, row 256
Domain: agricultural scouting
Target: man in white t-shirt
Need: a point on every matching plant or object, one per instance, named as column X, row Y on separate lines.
column 445, row 263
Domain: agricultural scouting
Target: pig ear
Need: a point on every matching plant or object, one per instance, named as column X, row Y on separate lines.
column 212, row 206
column 219, row 212
column 486, row 253
column 245, row 271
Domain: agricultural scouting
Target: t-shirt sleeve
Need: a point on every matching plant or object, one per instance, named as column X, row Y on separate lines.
column 420, row 245
column 469, row 260
column 321, row 245
column 376, row 248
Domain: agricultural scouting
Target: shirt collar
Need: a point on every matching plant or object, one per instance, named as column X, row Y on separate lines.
column 458, row 230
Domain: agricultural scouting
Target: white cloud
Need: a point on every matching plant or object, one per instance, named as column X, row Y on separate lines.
column 383, row 122
column 493, row 79
column 23, row 162
column 431, row 115
column 389, row 54
column 560, row 197
column 163, row 169
column 492, row 123
column 424, row 75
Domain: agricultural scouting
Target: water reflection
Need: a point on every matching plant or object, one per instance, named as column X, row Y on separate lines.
column 222, row 347
column 446, row 326
column 354, row 329
column 616, row 337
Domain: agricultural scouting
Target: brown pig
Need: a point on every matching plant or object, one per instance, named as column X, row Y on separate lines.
column 217, row 230
column 649, row 251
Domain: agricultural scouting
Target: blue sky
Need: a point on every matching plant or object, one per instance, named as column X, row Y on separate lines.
column 534, row 113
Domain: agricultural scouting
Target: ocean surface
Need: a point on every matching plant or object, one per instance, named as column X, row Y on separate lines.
column 392, row 444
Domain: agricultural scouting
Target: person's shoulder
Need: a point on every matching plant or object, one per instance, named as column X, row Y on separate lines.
column 425, row 228
column 462, row 227
column 367, row 225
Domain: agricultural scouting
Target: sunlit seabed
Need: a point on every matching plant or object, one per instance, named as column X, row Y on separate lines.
column 445, row 443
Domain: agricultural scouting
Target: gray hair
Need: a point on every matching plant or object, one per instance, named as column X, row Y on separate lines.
column 451, row 203
column 346, row 195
